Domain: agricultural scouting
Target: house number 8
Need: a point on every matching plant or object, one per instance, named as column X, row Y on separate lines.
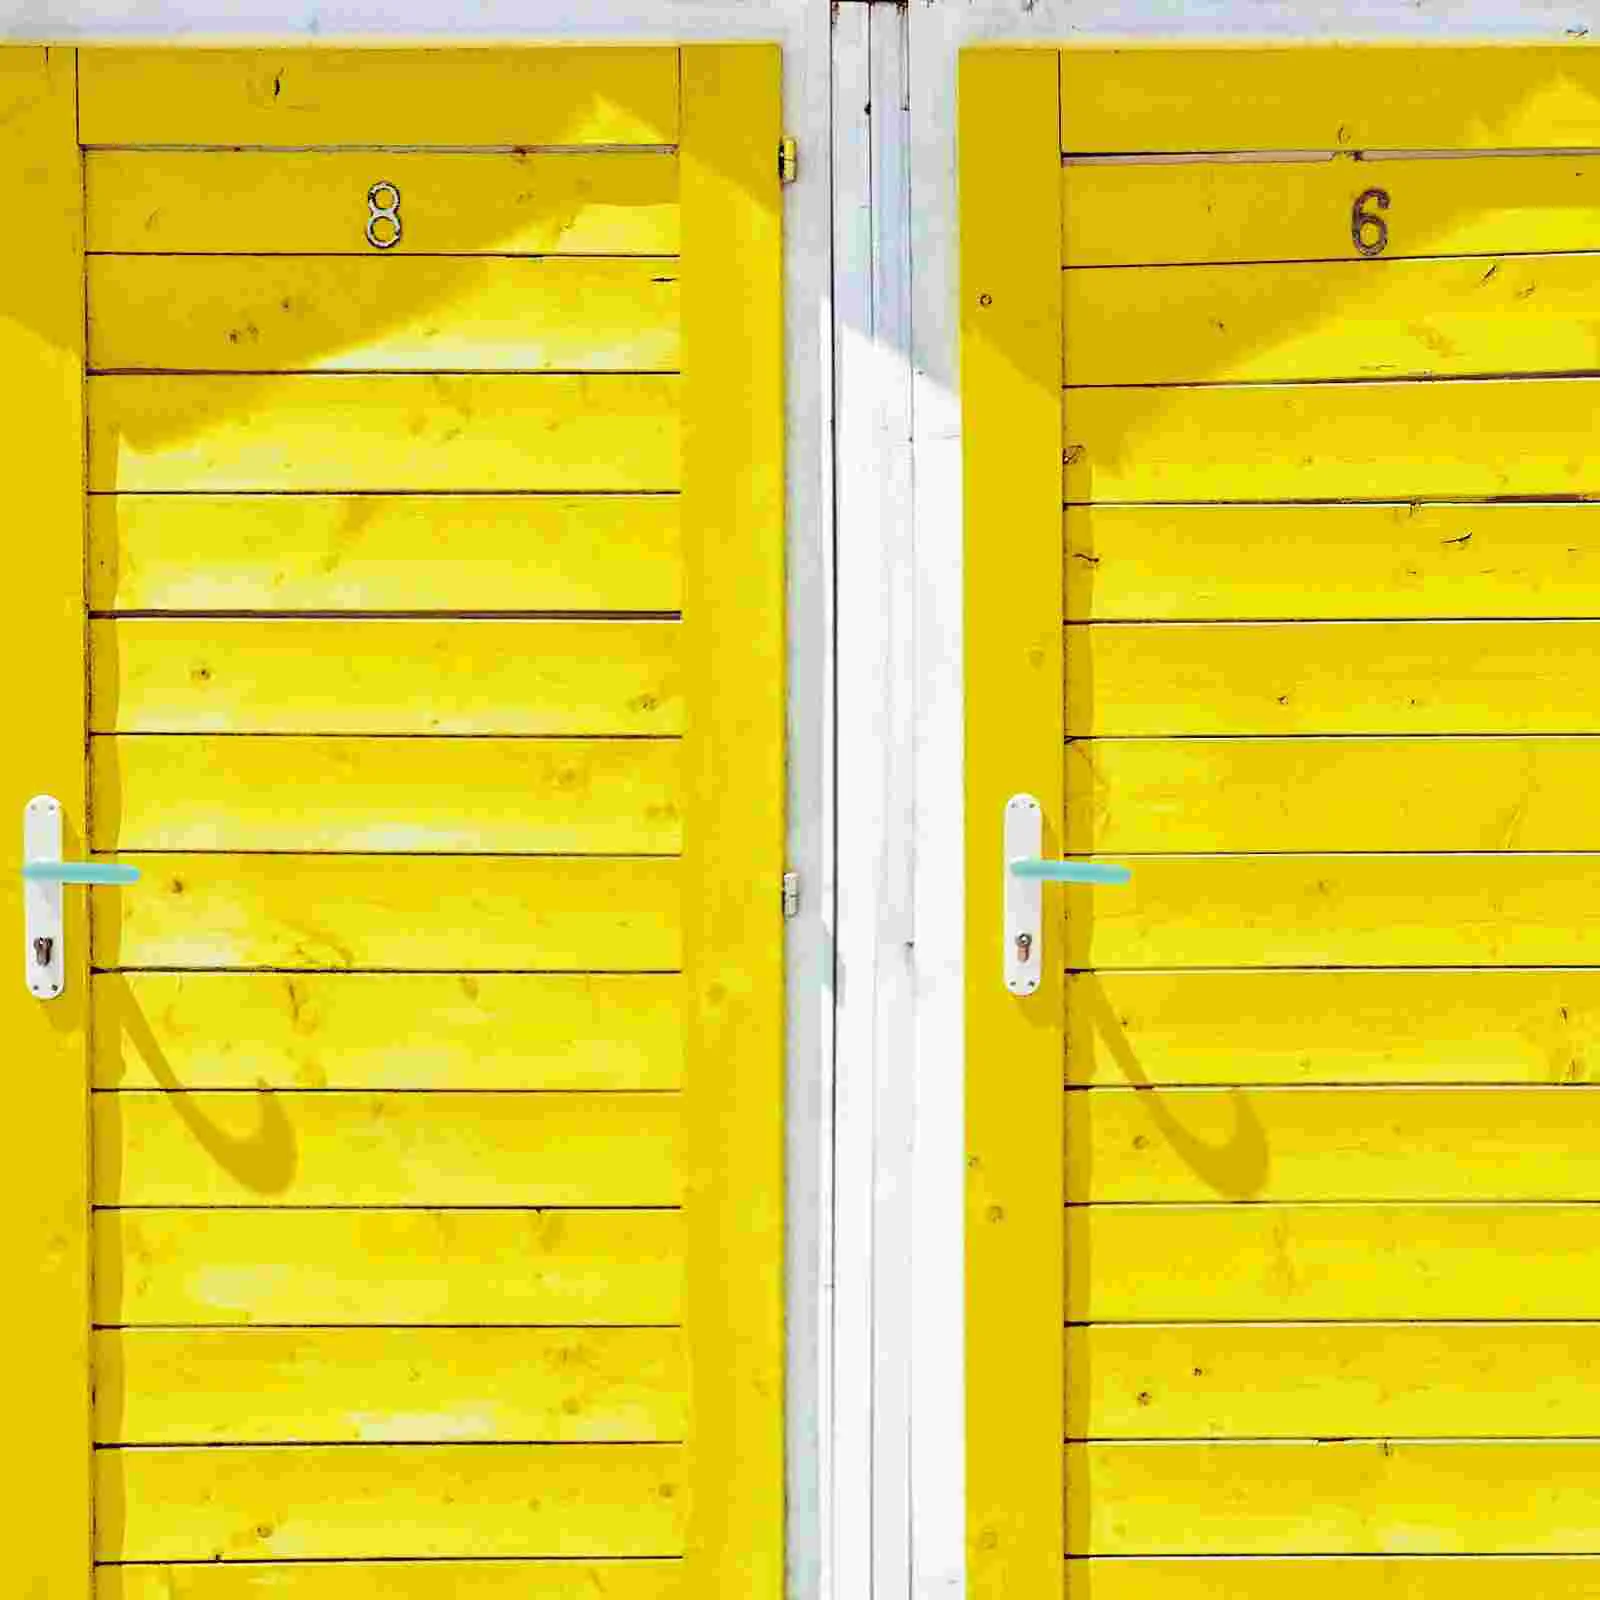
column 1369, row 232
column 383, row 216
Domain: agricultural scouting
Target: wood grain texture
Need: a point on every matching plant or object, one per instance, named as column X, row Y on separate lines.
column 235, row 1268
column 401, row 1385
column 397, row 431
column 332, row 913
column 634, row 1579
column 1322, row 1577
column 226, row 1030
column 327, row 314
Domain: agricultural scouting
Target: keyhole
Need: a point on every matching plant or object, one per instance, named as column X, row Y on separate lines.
column 43, row 948
column 1024, row 947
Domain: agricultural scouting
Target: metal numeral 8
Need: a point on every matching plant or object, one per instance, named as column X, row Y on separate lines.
column 1369, row 243
column 383, row 215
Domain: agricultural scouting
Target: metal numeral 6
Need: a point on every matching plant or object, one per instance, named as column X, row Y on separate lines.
column 383, row 215
column 1369, row 232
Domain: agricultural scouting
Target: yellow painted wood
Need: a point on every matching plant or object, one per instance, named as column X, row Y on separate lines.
column 286, row 1148
column 405, row 1385
column 556, row 796
column 1321, row 97
column 222, row 1030
column 589, row 677
column 1131, row 563
column 44, row 1190
column 257, row 1502
column 399, row 431
column 1378, row 441
column 1313, row 1144
column 431, row 913
column 381, row 553
column 1137, row 795
column 1332, row 1262
column 572, row 96
column 315, row 203
column 1010, row 374
column 1243, row 1498
column 1360, row 677
column 236, row 1267
column 429, row 1580
column 1320, row 1578
column 734, row 655
column 277, row 314
column 1346, row 319
column 1502, row 1026
column 1339, row 1380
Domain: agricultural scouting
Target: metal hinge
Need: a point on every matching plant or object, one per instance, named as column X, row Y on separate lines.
column 791, row 894
column 788, row 159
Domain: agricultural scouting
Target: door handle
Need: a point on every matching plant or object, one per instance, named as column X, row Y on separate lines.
column 44, row 876
column 1026, row 873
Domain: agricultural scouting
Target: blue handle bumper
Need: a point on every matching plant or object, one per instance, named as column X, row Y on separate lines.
column 1071, row 871
column 102, row 872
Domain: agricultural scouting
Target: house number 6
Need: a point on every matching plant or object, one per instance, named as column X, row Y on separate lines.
column 1369, row 232
column 383, row 216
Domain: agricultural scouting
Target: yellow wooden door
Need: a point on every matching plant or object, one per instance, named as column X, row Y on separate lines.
column 1296, row 1288
column 396, row 578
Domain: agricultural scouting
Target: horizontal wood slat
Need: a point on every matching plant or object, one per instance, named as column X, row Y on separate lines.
column 431, row 913
column 381, row 553
column 435, row 1385
column 460, row 96
column 258, row 1502
column 1331, row 1262
column 1298, row 1144
column 1243, row 1498
column 1499, row 1026
column 1311, row 1577
column 315, row 203
column 556, row 796
column 224, row 1030
column 398, row 431
column 1308, row 794
column 235, row 1268
column 1320, row 1381
column 284, row 1148
column 1122, row 214
column 394, row 676
column 1138, row 563
column 1357, row 677
column 291, row 314
column 635, row 1579
column 1348, row 319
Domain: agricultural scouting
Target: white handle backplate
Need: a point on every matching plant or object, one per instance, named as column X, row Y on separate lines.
column 1024, row 897
column 43, row 926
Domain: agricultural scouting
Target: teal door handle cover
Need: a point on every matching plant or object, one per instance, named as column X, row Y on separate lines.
column 91, row 872
column 1070, row 871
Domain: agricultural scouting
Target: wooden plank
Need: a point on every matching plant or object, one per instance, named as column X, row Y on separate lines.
column 1362, row 1380
column 1500, row 1026
column 1122, row 214
column 1139, row 795
column 1353, row 910
column 194, row 552
column 344, row 676
column 402, row 1385
column 1370, row 441
column 1315, row 1144
column 1245, row 1498
column 44, row 1191
column 1319, row 97
column 297, row 314
column 398, row 431
column 224, row 1030
column 735, row 835
column 1010, row 368
column 315, row 203
column 634, row 1579
column 233, row 1268
column 1133, row 563
column 1339, row 1262
column 550, row 796
column 418, row 1502
column 1331, row 319
column 430, row 913
column 1352, row 677
column 287, row 1148
column 1318, row 1577
column 570, row 96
